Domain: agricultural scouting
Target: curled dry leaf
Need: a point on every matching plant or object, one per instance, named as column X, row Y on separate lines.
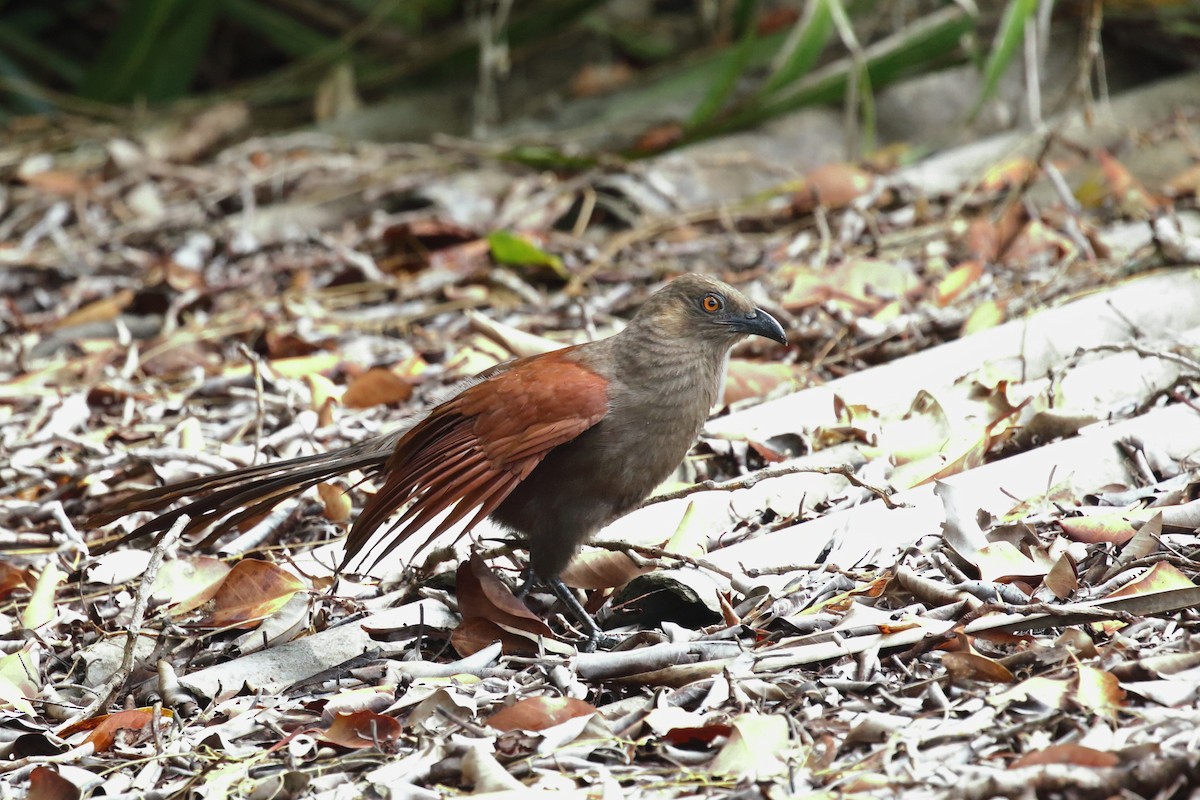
column 1098, row 691
column 103, row 730
column 13, row 578
column 41, row 609
column 601, row 569
column 982, row 240
column 1015, row 171
column 362, row 729
column 987, row 314
column 1124, row 190
column 1112, row 528
column 487, row 776
column 368, row 698
column 188, row 583
column 1077, row 641
column 377, row 386
column 102, row 310
column 46, row 784
column 957, row 281
column 975, row 667
column 476, row 633
column 1092, row 690
column 755, row 749
column 19, row 679
column 1036, row 244
column 1063, row 578
column 482, row 594
column 492, row 612
column 831, row 186
column 336, row 501
column 539, row 713
column 1068, row 753
column 252, row 591
column 1048, row 692
column 324, row 392
column 1162, row 577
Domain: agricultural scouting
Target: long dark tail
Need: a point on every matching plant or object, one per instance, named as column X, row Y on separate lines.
column 249, row 491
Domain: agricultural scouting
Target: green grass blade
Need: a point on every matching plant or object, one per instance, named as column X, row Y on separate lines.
column 126, row 54
column 172, row 69
column 735, row 65
column 914, row 47
column 1004, row 49
column 29, row 50
column 283, row 31
column 803, row 48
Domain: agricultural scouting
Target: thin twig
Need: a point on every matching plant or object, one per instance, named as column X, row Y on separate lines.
column 259, row 404
column 107, row 693
column 751, row 480
column 658, row 553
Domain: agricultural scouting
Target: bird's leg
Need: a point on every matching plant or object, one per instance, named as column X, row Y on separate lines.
column 529, row 579
column 596, row 637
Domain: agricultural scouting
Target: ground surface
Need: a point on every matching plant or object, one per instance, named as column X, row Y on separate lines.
column 290, row 294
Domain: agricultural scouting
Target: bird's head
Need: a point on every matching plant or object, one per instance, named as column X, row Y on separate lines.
column 699, row 308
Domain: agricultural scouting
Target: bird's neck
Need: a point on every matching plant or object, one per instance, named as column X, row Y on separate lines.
column 671, row 378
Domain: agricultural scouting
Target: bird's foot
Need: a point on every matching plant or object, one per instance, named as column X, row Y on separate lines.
column 598, row 640
column 529, row 579
column 596, row 637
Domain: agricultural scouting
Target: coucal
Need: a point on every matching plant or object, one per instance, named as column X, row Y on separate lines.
column 552, row 447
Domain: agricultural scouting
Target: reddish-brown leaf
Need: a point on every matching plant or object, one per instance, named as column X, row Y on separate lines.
column 13, row 577
column 361, row 729
column 1075, row 754
column 539, row 713
column 104, row 729
column 972, row 666
column 832, row 186
column 957, row 281
column 482, row 594
column 377, row 386
column 46, row 784
column 697, row 737
column 253, row 591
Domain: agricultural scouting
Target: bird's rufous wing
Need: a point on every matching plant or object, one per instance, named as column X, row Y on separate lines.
column 472, row 451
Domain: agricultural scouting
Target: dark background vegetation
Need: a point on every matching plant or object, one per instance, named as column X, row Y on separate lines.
column 735, row 62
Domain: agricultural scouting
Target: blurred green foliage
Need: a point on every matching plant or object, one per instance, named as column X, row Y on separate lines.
column 751, row 61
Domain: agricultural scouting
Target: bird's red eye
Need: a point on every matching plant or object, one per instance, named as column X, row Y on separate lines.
column 712, row 303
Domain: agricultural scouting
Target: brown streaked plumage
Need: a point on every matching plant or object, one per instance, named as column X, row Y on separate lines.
column 552, row 447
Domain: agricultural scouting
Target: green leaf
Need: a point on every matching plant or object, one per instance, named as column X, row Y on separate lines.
column 735, row 65
column 154, row 51
column 26, row 47
column 546, row 157
column 1008, row 39
column 916, row 46
column 281, row 30
column 509, row 248
column 803, row 47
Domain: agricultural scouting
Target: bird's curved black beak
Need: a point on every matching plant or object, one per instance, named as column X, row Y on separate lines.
column 759, row 323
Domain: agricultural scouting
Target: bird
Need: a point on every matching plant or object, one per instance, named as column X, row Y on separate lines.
column 552, row 447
